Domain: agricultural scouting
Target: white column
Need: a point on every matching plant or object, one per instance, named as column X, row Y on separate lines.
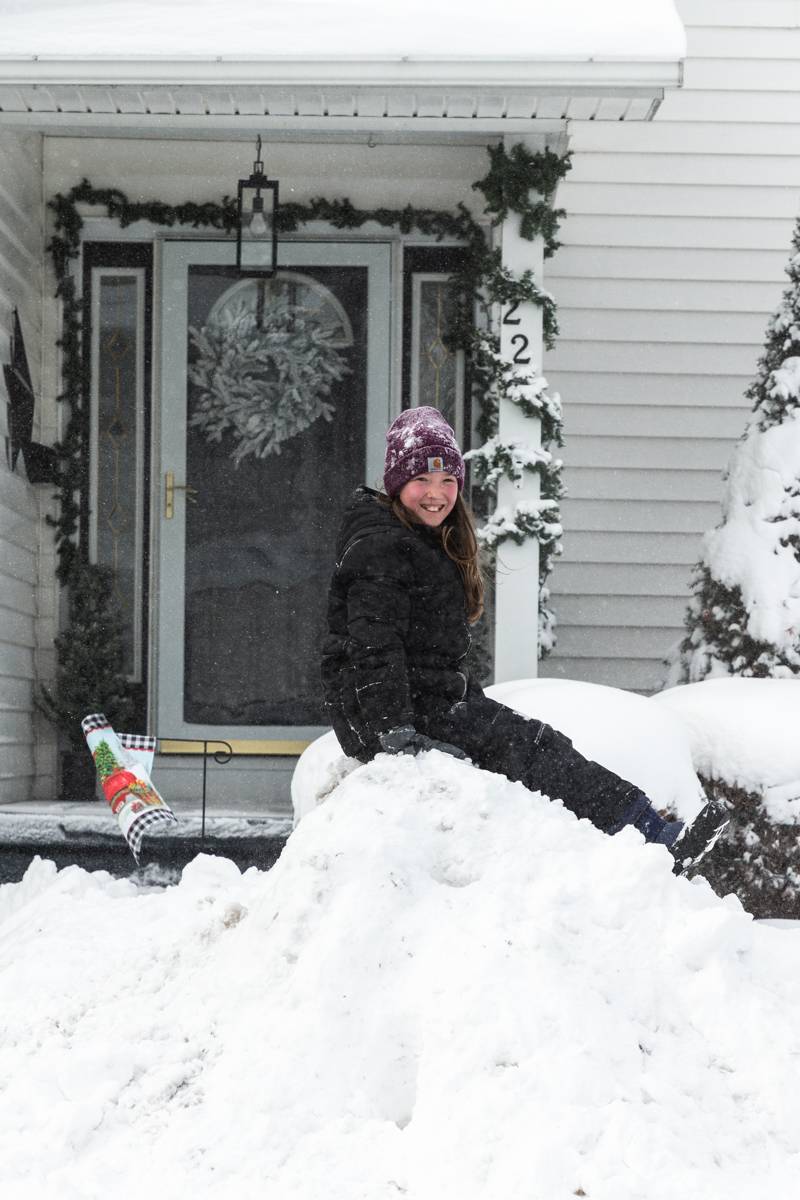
column 517, row 611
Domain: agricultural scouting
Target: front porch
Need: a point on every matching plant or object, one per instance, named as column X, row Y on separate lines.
column 221, row 589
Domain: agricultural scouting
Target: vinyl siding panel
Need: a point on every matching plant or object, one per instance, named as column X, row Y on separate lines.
column 629, row 421
column 612, row 580
column 684, row 200
column 652, row 516
column 625, row 611
column 742, row 74
column 623, row 672
column 673, row 295
column 597, row 644
column 736, row 107
column 21, row 252
column 674, row 248
column 630, row 483
column 658, row 326
column 656, row 454
column 723, row 233
column 664, row 358
column 720, row 170
column 650, row 389
column 779, row 42
column 740, row 14
column 665, row 135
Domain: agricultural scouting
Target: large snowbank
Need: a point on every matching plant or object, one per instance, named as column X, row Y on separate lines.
column 745, row 732
column 515, row 28
column 447, row 989
column 619, row 729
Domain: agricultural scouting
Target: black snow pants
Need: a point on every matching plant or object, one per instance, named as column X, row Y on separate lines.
column 499, row 739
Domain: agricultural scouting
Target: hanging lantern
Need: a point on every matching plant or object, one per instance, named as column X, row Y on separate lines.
column 256, row 230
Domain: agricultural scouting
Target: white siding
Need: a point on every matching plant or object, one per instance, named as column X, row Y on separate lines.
column 672, row 260
column 21, row 249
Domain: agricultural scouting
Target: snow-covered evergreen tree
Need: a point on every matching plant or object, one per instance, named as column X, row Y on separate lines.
column 744, row 615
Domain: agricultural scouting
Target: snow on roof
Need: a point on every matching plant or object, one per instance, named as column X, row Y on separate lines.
column 397, row 29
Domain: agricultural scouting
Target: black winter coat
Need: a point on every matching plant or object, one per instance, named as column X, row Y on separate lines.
column 398, row 634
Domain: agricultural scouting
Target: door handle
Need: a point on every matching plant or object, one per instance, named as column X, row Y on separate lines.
column 170, row 488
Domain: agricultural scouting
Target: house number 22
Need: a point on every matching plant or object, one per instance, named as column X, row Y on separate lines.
column 519, row 339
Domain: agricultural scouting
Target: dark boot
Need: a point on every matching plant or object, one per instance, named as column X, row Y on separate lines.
column 695, row 840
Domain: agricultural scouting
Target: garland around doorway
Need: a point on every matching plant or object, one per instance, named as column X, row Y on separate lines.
column 482, row 284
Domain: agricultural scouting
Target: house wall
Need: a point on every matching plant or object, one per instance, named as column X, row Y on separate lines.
column 673, row 254
column 22, row 609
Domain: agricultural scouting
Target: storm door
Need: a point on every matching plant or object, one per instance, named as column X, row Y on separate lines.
column 274, row 402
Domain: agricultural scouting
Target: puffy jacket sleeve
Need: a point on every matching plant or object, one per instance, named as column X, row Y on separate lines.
column 378, row 577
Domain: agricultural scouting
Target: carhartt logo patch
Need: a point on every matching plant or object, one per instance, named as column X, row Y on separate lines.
column 435, row 464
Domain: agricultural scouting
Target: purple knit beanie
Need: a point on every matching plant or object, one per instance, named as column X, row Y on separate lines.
column 419, row 442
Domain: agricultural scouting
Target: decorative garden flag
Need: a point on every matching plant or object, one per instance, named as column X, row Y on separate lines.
column 123, row 762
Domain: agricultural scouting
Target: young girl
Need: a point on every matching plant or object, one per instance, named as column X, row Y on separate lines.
column 405, row 589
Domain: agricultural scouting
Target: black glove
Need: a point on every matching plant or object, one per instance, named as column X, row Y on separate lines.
column 406, row 740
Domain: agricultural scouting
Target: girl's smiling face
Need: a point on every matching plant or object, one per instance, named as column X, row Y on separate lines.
column 430, row 498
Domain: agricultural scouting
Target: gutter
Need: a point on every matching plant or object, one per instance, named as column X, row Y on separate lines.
column 606, row 74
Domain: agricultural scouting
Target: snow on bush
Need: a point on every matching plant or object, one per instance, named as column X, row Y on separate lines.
column 745, row 746
column 744, row 732
column 744, row 616
column 448, row 988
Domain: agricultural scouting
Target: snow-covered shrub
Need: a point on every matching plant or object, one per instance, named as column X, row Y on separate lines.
column 745, row 749
column 756, row 860
column 744, row 615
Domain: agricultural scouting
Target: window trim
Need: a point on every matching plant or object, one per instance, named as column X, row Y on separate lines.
column 421, row 263
column 102, row 259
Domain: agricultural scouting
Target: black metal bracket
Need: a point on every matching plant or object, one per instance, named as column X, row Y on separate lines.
column 220, row 756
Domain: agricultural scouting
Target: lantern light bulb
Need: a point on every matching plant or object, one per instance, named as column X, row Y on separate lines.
column 258, row 226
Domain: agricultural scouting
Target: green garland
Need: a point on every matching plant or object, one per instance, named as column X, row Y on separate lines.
column 481, row 284
column 508, row 186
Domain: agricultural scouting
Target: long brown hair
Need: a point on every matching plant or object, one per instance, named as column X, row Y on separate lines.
column 459, row 543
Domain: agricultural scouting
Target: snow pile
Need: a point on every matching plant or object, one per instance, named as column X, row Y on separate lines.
column 446, row 989
column 744, row 732
column 619, row 729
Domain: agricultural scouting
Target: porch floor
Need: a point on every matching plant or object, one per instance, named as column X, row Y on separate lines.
column 60, row 821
